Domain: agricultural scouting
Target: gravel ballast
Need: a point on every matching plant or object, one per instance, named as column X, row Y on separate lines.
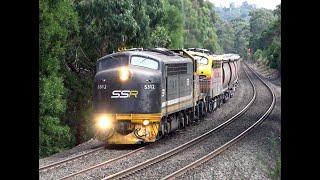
column 254, row 157
column 240, row 99
column 190, row 155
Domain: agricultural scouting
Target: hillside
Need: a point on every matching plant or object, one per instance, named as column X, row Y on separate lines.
column 233, row 12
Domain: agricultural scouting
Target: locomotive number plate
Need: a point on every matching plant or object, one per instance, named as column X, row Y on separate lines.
column 102, row 86
column 149, row 86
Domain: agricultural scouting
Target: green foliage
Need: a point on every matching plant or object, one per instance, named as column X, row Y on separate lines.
column 275, row 169
column 173, row 22
column 234, row 36
column 257, row 55
column 226, row 36
column 140, row 14
column 260, row 21
column 275, row 172
column 258, row 29
column 74, row 34
column 199, row 26
column 160, row 37
column 267, row 38
column 56, row 19
column 228, row 14
column 274, row 54
column 79, row 104
column 233, row 28
column 242, row 34
column 52, row 136
column 106, row 25
column 51, row 96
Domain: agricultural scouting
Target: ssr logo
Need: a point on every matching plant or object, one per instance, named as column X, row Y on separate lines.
column 124, row 93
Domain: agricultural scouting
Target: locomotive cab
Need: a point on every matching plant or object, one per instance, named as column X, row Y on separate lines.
column 127, row 98
column 139, row 95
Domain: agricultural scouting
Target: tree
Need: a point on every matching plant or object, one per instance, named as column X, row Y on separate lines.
column 199, row 26
column 173, row 22
column 260, row 20
column 268, row 42
column 56, row 19
column 75, row 33
column 160, row 37
column 228, row 14
column 140, row 14
column 242, row 35
column 106, row 25
column 226, row 35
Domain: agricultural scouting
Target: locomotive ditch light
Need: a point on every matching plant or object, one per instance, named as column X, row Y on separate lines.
column 124, row 73
column 146, row 122
column 104, row 122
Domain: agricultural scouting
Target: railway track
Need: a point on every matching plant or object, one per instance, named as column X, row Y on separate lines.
column 161, row 157
column 55, row 164
column 168, row 154
column 225, row 146
column 103, row 163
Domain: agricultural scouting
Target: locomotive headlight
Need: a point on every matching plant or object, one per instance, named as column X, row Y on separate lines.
column 124, row 73
column 146, row 122
column 104, row 122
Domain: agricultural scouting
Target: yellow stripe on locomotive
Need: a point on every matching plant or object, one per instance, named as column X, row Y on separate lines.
column 138, row 127
column 205, row 64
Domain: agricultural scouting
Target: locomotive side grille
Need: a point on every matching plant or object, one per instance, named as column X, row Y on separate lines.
column 174, row 69
column 205, row 85
column 124, row 127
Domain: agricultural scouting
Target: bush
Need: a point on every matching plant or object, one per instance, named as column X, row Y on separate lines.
column 257, row 55
column 56, row 20
column 53, row 137
column 274, row 54
column 160, row 37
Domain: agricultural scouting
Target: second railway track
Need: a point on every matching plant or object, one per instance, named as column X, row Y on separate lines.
column 228, row 144
column 64, row 161
column 152, row 161
column 144, row 165
column 53, row 166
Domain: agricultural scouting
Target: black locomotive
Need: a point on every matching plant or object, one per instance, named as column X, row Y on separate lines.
column 141, row 95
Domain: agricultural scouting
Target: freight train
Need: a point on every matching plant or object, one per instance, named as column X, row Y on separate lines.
column 141, row 95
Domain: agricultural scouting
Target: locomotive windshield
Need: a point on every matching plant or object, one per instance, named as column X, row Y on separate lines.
column 112, row 62
column 201, row 60
column 144, row 62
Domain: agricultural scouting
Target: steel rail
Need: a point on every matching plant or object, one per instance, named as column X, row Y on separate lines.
column 174, row 151
column 69, row 159
column 103, row 163
column 229, row 143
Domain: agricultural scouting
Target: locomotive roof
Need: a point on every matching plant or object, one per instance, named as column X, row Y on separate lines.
column 200, row 50
column 214, row 57
column 162, row 57
column 218, row 57
column 198, row 53
column 231, row 57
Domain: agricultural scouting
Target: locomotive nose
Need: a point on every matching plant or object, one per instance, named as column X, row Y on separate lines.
column 127, row 90
column 124, row 73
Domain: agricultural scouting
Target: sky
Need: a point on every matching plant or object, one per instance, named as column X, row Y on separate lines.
column 268, row 4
